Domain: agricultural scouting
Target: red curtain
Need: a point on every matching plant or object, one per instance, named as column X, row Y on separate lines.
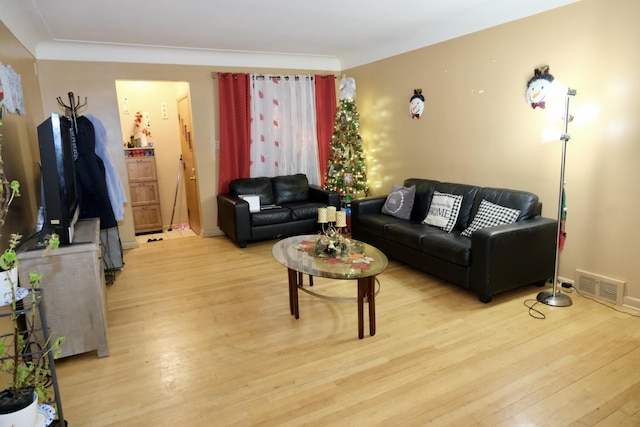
column 235, row 128
column 325, row 117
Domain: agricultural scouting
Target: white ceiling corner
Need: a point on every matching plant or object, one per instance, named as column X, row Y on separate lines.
column 331, row 35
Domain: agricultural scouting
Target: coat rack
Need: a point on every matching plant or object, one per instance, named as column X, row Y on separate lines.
column 73, row 108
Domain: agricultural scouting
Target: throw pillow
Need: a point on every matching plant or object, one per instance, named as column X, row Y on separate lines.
column 443, row 211
column 400, row 201
column 489, row 215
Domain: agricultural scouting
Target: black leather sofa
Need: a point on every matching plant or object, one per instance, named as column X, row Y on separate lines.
column 492, row 260
column 288, row 206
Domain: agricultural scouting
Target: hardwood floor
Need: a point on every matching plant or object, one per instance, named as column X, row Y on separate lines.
column 200, row 335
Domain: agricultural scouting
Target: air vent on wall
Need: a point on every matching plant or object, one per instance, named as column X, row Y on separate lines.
column 598, row 286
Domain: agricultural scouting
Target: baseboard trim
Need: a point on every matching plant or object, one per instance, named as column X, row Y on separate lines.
column 631, row 302
column 212, row 233
column 130, row 245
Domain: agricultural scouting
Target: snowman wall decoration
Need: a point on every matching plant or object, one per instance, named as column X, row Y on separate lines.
column 416, row 104
column 539, row 87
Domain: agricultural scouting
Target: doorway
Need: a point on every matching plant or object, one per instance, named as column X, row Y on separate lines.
column 157, row 113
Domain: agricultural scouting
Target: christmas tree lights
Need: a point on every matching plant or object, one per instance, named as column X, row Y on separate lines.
column 346, row 169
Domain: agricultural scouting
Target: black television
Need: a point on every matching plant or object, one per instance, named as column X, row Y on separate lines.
column 58, row 153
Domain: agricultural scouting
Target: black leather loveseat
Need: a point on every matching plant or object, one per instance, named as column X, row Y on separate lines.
column 288, row 205
column 490, row 261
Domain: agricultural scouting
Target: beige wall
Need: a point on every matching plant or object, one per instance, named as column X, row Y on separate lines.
column 478, row 129
column 20, row 139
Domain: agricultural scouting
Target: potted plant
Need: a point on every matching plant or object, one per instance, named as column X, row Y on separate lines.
column 24, row 357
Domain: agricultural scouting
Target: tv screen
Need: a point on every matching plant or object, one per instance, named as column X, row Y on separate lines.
column 58, row 153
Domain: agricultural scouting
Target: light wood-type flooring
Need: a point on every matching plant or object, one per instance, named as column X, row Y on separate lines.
column 200, row 335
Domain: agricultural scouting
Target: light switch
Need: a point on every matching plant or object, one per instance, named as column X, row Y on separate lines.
column 163, row 111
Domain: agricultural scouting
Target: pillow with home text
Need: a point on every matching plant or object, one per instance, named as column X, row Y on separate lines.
column 443, row 211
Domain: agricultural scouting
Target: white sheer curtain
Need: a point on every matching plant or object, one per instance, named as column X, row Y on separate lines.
column 283, row 126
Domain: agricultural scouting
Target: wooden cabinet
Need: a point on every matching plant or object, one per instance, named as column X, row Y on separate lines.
column 143, row 187
column 73, row 288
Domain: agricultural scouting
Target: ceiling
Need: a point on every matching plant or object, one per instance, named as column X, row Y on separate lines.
column 327, row 35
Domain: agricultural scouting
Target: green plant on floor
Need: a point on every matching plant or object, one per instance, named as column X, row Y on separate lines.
column 24, row 357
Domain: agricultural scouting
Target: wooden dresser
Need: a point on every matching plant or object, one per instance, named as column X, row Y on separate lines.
column 143, row 187
column 73, row 288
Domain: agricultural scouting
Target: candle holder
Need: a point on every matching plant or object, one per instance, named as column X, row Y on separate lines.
column 331, row 241
column 332, row 219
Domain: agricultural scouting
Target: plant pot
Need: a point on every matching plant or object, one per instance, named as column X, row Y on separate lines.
column 25, row 417
column 7, row 279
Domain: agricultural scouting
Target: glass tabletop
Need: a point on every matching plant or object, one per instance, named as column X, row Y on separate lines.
column 298, row 253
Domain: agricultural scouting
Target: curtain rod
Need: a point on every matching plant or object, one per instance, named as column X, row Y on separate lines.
column 214, row 75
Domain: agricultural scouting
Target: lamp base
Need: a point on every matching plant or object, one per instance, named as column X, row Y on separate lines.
column 556, row 299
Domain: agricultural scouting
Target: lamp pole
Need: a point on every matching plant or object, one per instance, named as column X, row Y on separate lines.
column 555, row 297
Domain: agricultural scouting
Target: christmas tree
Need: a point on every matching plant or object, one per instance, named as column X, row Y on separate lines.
column 346, row 170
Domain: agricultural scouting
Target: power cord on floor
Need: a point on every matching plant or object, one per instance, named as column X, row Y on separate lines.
column 534, row 312
column 572, row 289
column 537, row 314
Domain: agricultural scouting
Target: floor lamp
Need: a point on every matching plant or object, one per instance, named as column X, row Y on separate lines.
column 555, row 297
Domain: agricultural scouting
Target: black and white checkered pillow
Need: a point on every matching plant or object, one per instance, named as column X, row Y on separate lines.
column 489, row 215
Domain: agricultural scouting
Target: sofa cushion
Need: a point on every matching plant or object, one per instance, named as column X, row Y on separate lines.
column 443, row 211
column 304, row 210
column 489, row 215
column 253, row 186
column 290, row 188
column 399, row 201
column 450, row 247
column 468, row 193
column 422, row 200
column 409, row 234
column 270, row 216
column 526, row 202
column 377, row 223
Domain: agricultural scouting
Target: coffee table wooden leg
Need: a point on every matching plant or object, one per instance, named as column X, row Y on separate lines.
column 293, row 293
column 290, row 280
column 362, row 288
column 371, row 297
column 367, row 289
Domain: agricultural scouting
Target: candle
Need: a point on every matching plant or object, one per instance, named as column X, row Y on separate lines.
column 331, row 213
column 341, row 219
column 322, row 215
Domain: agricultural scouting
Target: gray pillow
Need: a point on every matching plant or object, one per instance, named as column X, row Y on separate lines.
column 400, row 201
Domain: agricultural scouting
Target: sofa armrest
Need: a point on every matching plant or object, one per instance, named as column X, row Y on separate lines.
column 318, row 194
column 511, row 255
column 234, row 218
column 369, row 205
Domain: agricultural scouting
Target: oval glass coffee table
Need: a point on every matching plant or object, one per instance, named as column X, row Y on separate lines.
column 363, row 263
